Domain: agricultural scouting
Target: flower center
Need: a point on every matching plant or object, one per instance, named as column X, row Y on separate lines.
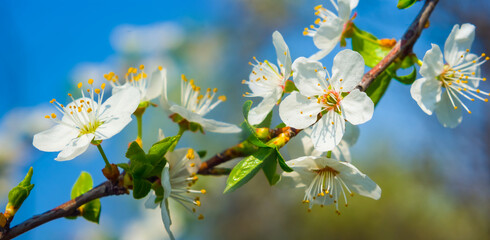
column 327, row 185
column 198, row 103
column 81, row 114
column 331, row 100
column 462, row 80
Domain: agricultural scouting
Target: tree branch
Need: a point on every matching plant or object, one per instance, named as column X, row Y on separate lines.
column 64, row 210
column 403, row 47
column 400, row 50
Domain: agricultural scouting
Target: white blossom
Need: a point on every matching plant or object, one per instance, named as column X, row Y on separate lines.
column 150, row 87
column 268, row 81
column 326, row 103
column 460, row 76
column 330, row 27
column 194, row 106
column 87, row 119
column 302, row 145
column 178, row 175
column 326, row 180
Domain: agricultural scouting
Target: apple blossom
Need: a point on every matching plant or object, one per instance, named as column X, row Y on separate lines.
column 331, row 27
column 148, row 86
column 86, row 119
column 268, row 81
column 460, row 76
column 193, row 106
column 326, row 180
column 324, row 102
column 178, row 175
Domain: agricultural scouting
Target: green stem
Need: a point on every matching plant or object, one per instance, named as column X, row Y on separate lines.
column 139, row 119
column 107, row 164
column 179, row 135
column 329, row 154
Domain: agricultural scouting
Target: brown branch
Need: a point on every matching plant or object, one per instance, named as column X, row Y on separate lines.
column 400, row 50
column 64, row 210
column 402, row 47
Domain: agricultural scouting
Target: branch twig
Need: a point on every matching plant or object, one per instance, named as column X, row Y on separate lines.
column 400, row 50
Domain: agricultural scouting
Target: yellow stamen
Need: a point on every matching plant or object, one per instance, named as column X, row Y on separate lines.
column 90, row 81
column 222, row 98
column 79, row 85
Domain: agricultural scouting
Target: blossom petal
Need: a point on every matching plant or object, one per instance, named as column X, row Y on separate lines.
column 208, row 124
column 258, row 113
column 351, row 134
column 283, row 55
column 327, row 36
column 164, row 97
column 302, row 145
column 308, row 76
column 446, row 114
column 326, row 135
column 426, row 92
column 155, row 85
column 358, row 107
column 55, row 138
column 166, row 218
column 112, row 127
column 75, row 147
column 457, row 42
column 432, row 64
column 124, row 102
column 346, row 7
column 298, row 111
column 301, row 176
column 180, row 164
column 347, row 70
column 474, row 68
column 357, row 181
column 150, row 202
column 342, row 152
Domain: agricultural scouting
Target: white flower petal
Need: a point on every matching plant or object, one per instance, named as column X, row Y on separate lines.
column 180, row 165
column 164, row 97
column 473, row 68
column 342, row 152
column 346, row 7
column 166, row 219
column 165, row 180
column 426, row 92
column 348, row 65
column 124, row 102
column 298, row 111
column 75, row 147
column 358, row 181
column 55, row 138
column 358, row 107
column 432, row 64
column 308, row 76
column 258, row 113
column 302, row 145
column 112, row 127
column 457, row 42
column 155, row 85
column 326, row 135
column 208, row 124
column 283, row 55
column 327, row 36
column 446, row 114
column 351, row 134
column 150, row 202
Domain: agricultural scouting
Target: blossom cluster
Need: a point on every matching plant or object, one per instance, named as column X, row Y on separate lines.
column 324, row 106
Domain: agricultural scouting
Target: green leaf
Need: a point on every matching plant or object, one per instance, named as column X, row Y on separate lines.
column 282, row 162
column 402, row 4
column 368, row 46
column 246, row 169
column 90, row 210
column 248, row 128
column 407, row 79
column 124, row 166
column 139, row 166
column 159, row 149
column 281, row 125
column 269, row 169
column 378, row 87
column 141, row 188
column 267, row 121
column 19, row 194
column 202, row 153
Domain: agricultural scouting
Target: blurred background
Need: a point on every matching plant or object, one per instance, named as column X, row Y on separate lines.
column 435, row 181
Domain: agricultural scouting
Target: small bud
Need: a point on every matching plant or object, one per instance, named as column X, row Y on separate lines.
column 111, row 173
